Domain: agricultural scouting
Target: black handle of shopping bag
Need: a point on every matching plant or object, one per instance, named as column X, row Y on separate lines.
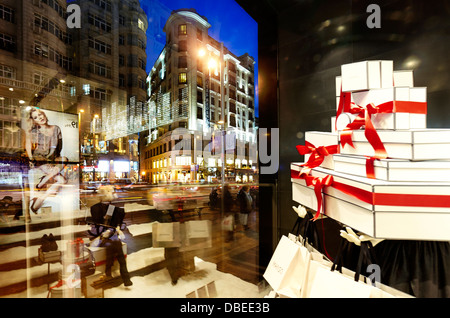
column 366, row 257
column 338, row 260
column 310, row 233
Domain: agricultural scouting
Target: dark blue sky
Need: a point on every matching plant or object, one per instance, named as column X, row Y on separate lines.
column 230, row 24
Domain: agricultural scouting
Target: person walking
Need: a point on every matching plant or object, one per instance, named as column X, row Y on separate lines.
column 245, row 202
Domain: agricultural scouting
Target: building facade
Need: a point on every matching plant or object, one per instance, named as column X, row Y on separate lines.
column 198, row 91
column 111, row 60
column 36, row 63
column 96, row 72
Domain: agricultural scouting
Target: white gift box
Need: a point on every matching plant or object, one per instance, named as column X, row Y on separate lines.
column 403, row 78
column 367, row 75
column 319, row 138
column 381, row 209
column 395, row 169
column 417, row 144
column 396, row 120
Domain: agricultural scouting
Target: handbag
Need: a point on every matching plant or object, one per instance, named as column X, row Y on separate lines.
column 87, row 265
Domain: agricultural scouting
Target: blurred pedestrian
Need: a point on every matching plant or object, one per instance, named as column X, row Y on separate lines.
column 245, row 202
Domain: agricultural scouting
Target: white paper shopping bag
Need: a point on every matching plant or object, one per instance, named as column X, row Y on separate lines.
column 324, row 283
column 287, row 268
column 166, row 234
column 198, row 229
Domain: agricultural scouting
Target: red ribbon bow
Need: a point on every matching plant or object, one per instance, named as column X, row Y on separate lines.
column 364, row 119
column 318, row 154
column 318, row 184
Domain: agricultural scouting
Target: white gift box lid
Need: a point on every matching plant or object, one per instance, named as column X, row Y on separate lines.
column 366, row 75
column 395, row 163
column 413, row 136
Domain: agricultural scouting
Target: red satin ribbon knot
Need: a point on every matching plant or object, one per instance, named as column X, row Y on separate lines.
column 318, row 184
column 318, row 154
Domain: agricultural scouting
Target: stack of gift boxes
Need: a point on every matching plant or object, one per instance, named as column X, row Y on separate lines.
column 380, row 170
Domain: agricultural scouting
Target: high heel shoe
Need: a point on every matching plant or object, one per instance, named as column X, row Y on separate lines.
column 39, row 182
column 32, row 208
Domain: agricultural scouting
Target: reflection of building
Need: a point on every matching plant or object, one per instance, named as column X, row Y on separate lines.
column 185, row 93
column 110, row 59
column 35, row 63
column 97, row 72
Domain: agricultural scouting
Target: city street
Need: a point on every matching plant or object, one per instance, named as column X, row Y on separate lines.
column 237, row 256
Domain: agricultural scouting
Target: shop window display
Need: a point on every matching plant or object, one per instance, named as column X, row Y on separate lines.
column 209, row 208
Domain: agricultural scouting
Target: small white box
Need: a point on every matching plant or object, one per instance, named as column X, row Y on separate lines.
column 395, row 169
column 403, row 78
column 401, row 118
column 420, row 144
column 318, row 138
column 377, row 219
column 367, row 75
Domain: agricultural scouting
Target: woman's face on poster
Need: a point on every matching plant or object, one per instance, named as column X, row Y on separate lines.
column 39, row 117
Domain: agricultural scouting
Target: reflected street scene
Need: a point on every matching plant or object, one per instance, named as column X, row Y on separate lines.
column 128, row 150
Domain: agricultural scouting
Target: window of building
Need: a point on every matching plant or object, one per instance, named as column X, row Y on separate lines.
column 182, row 62
column 199, row 113
column 199, row 81
column 7, row 71
column 121, row 40
column 232, row 107
column 98, row 22
column 104, row 4
column 141, row 25
column 100, row 94
column 182, row 78
column 199, row 97
column 182, row 29
column 7, row 42
column 99, row 45
column 232, row 120
column 141, row 64
column 121, row 20
column 121, row 60
column 87, row 89
column 182, row 46
column 6, row 13
column 121, row 80
column 199, row 34
column 100, row 69
column 142, row 44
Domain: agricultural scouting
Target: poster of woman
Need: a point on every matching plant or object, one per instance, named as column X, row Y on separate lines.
column 51, row 146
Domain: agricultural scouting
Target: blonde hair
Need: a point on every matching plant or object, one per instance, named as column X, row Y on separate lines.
column 30, row 120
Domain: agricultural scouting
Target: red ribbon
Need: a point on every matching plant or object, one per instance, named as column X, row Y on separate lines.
column 388, row 199
column 318, row 154
column 363, row 118
column 318, row 184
